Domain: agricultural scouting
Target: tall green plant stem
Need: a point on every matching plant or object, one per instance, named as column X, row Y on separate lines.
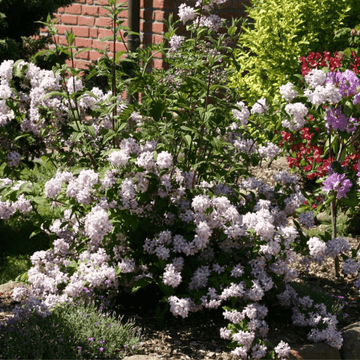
column 334, row 234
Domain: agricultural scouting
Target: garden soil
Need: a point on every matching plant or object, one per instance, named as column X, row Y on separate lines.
column 197, row 337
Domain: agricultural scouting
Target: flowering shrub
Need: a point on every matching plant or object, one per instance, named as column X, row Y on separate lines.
column 151, row 193
column 307, row 145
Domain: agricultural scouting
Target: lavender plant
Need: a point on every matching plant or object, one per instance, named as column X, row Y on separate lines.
column 151, row 192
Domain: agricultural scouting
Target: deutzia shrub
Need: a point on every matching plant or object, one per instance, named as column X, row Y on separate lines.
column 156, row 197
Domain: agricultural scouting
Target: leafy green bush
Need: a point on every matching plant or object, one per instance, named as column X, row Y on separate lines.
column 18, row 22
column 281, row 32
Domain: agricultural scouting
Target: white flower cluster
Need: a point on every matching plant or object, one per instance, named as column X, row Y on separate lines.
column 6, row 74
column 212, row 22
column 260, row 107
column 269, row 151
column 326, row 93
column 7, row 208
column 298, row 111
column 246, row 146
column 307, row 219
column 330, row 335
column 241, row 115
column 54, row 185
column 181, row 306
column 164, row 160
column 97, row 225
column 285, row 177
column 287, row 91
column 13, row 158
column 81, row 188
column 175, row 43
column 186, row 13
column 315, row 78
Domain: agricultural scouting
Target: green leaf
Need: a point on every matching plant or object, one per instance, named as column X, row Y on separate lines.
column 91, row 130
column 119, row 54
column 76, row 136
column 141, row 284
column 70, row 37
column 109, row 136
column 34, row 233
column 23, row 278
column 188, row 140
column 39, row 200
column 82, row 50
column 54, row 93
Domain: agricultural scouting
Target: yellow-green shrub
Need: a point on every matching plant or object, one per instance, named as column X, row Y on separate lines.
column 281, row 32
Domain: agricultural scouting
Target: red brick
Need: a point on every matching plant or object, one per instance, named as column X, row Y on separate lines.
column 103, row 22
column 90, row 10
column 61, row 29
column 69, row 19
column 104, row 32
column 81, row 1
column 118, row 47
column 158, row 28
column 158, row 15
column 73, row 9
column 103, row 12
column 102, row 2
column 98, row 45
column 162, row 4
column 80, row 64
column 44, row 29
column 81, row 31
column 83, row 55
column 90, row 1
column 86, row 20
column 94, row 55
column 83, row 42
column 123, row 14
column 62, row 40
column 158, row 64
column 61, row 10
column 93, row 33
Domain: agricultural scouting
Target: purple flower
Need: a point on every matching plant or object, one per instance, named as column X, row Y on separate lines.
column 101, row 349
column 79, row 347
column 101, row 341
column 337, row 182
column 336, row 119
column 91, row 339
column 346, row 81
column 125, row 346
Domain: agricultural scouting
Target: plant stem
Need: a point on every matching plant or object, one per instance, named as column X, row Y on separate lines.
column 334, row 234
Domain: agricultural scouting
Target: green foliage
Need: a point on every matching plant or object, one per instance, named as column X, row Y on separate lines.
column 281, row 32
column 18, row 23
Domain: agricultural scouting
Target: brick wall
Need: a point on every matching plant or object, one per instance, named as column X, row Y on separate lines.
column 88, row 21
